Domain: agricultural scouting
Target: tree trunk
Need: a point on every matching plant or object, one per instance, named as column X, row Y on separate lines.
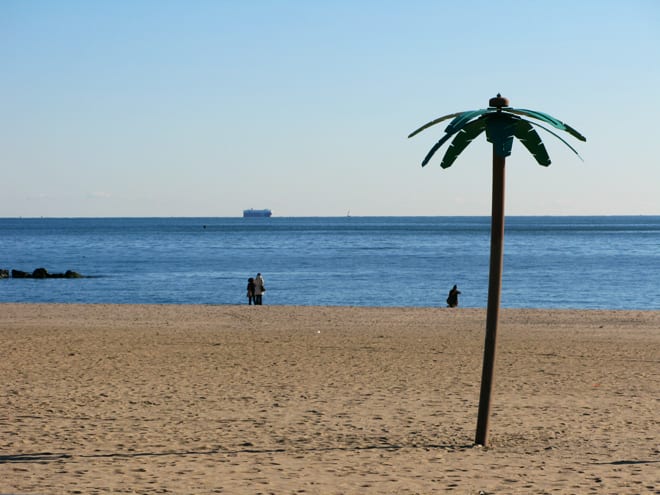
column 494, row 290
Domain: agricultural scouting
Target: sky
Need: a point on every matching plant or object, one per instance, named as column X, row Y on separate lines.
column 138, row 108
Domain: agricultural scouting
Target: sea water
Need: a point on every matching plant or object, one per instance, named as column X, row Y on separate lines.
column 549, row 262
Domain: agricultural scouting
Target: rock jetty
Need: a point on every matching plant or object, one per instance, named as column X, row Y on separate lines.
column 39, row 273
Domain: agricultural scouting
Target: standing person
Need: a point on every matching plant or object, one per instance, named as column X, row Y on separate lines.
column 452, row 298
column 250, row 291
column 259, row 288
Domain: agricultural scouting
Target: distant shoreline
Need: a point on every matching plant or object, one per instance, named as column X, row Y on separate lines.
column 323, row 216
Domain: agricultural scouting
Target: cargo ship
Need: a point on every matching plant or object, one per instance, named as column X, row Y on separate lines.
column 252, row 213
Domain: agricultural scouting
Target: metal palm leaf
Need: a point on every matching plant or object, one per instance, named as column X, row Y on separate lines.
column 498, row 121
column 502, row 124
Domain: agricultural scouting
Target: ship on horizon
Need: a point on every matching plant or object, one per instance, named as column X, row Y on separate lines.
column 252, row 213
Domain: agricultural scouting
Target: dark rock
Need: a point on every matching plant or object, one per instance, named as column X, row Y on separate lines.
column 40, row 273
column 20, row 274
column 72, row 274
column 4, row 273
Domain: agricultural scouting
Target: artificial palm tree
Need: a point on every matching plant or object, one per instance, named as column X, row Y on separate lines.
column 501, row 123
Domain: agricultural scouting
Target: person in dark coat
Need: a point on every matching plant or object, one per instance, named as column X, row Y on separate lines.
column 452, row 298
column 250, row 291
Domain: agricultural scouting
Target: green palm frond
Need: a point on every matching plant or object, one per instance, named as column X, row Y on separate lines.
column 558, row 137
column 435, row 148
column 463, row 118
column 548, row 119
column 525, row 132
column 433, row 122
column 464, row 137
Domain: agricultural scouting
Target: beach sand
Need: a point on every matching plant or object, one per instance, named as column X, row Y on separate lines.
column 325, row 400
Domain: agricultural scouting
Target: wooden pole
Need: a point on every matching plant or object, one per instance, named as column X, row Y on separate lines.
column 494, row 291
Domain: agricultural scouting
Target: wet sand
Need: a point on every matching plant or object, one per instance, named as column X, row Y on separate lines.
column 325, row 400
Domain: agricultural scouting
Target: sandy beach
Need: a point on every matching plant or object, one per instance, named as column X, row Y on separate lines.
column 325, row 400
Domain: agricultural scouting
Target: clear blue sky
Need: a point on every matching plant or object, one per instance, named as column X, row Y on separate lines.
column 204, row 108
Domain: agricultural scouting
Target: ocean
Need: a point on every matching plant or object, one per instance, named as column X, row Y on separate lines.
column 549, row 262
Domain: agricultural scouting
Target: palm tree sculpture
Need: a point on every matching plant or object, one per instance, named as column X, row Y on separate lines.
column 501, row 123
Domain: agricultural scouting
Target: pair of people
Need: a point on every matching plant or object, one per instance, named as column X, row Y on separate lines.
column 255, row 290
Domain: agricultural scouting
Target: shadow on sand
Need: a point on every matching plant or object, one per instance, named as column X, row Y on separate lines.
column 43, row 457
